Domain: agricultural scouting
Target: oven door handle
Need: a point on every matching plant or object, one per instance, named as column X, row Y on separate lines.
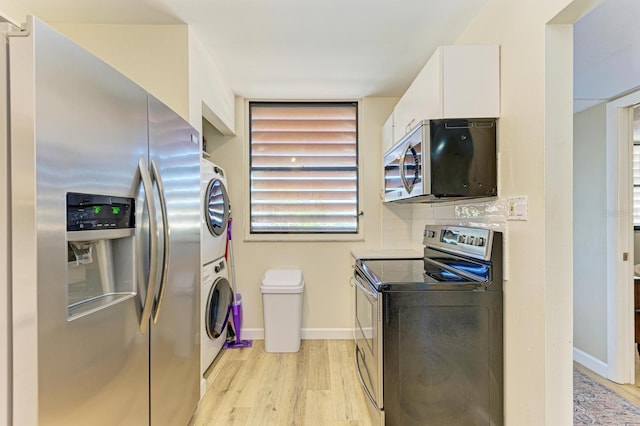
column 464, row 274
column 361, row 379
column 362, row 287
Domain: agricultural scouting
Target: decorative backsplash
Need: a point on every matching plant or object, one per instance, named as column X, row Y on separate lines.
column 403, row 224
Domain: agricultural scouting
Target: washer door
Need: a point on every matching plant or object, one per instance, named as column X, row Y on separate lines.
column 218, row 308
column 216, row 207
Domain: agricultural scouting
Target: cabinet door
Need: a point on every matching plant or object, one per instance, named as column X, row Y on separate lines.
column 471, row 81
column 386, row 136
column 422, row 100
column 456, row 82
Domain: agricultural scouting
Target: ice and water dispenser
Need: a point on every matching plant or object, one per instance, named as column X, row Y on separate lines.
column 100, row 252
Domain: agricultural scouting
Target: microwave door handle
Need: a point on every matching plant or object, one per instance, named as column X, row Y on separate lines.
column 403, row 178
column 153, row 245
column 407, row 186
column 166, row 243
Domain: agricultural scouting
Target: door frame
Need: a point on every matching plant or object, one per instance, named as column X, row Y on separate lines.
column 619, row 172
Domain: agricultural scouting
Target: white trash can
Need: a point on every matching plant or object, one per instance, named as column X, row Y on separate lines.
column 282, row 307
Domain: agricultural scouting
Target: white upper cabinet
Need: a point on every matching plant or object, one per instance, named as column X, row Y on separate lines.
column 387, row 134
column 456, row 82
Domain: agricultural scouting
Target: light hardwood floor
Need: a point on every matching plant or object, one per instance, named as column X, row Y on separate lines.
column 316, row 386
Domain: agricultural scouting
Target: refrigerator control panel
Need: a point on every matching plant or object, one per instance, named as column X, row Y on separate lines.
column 87, row 212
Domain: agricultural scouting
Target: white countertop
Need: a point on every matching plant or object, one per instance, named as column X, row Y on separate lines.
column 386, row 254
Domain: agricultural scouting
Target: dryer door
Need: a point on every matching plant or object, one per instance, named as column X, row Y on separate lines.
column 218, row 308
column 216, row 207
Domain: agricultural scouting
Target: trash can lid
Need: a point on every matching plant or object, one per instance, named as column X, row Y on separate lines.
column 282, row 281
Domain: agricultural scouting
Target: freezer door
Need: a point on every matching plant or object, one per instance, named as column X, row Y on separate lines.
column 77, row 125
column 175, row 341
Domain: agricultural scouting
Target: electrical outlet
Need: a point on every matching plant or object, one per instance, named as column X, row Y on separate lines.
column 517, row 208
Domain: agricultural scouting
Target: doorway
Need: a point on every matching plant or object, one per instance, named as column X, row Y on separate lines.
column 603, row 240
column 621, row 352
column 606, row 53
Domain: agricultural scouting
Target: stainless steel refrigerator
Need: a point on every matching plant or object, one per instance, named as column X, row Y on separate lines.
column 104, row 243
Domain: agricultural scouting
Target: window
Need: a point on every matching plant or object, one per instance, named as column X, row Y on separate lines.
column 304, row 167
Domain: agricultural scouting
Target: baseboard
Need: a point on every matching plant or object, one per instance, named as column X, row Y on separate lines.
column 327, row 333
column 253, row 333
column 306, row 333
column 203, row 387
column 597, row 366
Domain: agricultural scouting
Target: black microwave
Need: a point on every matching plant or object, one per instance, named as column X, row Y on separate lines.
column 441, row 160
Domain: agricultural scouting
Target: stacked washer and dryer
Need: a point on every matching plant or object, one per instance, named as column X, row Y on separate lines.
column 217, row 294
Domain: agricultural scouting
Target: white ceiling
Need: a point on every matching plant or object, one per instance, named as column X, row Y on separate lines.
column 296, row 49
column 606, row 52
column 345, row 49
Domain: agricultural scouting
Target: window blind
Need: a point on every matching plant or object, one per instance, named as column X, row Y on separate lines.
column 304, row 167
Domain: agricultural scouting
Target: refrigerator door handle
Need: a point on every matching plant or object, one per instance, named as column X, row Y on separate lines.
column 166, row 244
column 153, row 245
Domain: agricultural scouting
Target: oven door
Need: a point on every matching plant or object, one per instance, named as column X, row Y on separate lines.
column 369, row 341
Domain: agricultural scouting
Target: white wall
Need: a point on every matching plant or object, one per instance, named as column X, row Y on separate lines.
column 209, row 95
column 535, row 160
column 590, row 239
column 13, row 11
column 326, row 266
column 153, row 56
column 5, row 271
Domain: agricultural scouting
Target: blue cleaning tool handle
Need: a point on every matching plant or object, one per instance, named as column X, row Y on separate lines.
column 229, row 229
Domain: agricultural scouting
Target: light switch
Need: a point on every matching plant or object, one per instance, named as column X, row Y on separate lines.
column 517, row 208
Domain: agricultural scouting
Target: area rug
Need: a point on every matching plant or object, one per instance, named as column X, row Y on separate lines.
column 593, row 404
